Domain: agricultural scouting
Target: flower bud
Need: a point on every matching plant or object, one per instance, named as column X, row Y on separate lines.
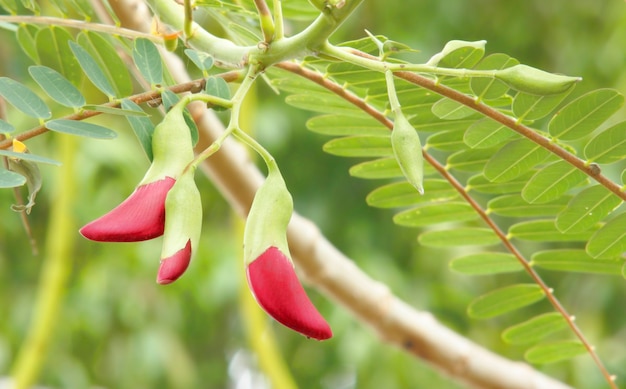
column 183, row 223
column 407, row 149
column 269, row 269
column 534, row 81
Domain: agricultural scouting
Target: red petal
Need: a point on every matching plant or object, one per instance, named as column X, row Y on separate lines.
column 173, row 267
column 140, row 217
column 278, row 291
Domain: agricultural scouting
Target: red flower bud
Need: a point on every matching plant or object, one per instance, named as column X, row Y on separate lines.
column 278, row 291
column 140, row 217
column 173, row 267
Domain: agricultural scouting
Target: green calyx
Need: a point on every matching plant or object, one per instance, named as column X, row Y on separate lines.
column 534, row 81
column 172, row 147
column 407, row 149
column 268, row 218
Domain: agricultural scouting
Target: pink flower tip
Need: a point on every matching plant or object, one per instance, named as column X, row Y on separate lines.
column 173, row 267
column 278, row 291
column 140, row 217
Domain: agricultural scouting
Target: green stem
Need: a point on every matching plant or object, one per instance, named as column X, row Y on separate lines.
column 266, row 21
column 54, row 274
column 188, row 22
column 279, row 26
column 394, row 103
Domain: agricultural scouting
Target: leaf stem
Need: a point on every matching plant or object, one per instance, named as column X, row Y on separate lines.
column 279, row 23
column 266, row 21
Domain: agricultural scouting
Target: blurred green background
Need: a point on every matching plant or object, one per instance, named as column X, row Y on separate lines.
column 119, row 329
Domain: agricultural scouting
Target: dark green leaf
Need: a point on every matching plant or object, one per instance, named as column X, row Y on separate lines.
column 402, row 194
column 575, row 261
column 142, row 127
column 608, row 146
column 377, row 169
column 513, row 159
column 459, row 237
column 505, row 300
column 148, row 61
column 555, row 352
column 610, row 240
column 486, row 263
column 535, row 329
column 79, row 128
column 360, row 146
column 23, row 99
column 487, row 133
column 545, row 231
column 586, row 209
column 92, row 70
column 428, row 214
column 515, row 206
column 339, row 125
column 57, row 87
column 10, row 179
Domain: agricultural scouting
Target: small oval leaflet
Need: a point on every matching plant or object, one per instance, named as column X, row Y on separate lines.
column 79, row 128
column 505, row 300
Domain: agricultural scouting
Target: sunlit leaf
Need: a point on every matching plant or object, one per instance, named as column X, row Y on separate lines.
column 339, row 125
column 377, row 169
column 459, row 237
column 486, row 263
column 586, row 209
column 504, row 300
column 360, row 146
column 459, row 54
column 446, row 140
column 585, row 114
column 402, row 194
column 29, row 157
column 532, row 107
column 610, row 240
column 448, row 109
column 535, row 329
column 75, row 127
column 92, row 70
column 23, row 99
column 545, row 231
column 481, row 184
column 9, row 179
column 148, row 61
column 487, row 133
column 57, row 87
column 471, row 160
column 513, row 159
column 554, row 352
column 491, row 88
column 552, row 181
column 142, row 127
column 428, row 214
column 609, row 146
column 575, row 261
column 324, row 103
column 515, row 206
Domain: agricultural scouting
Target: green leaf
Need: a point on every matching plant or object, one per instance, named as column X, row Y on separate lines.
column 218, row 87
column 27, row 38
column 360, row 146
column 447, row 140
column 23, row 99
column 585, row 114
column 471, row 160
column 608, row 146
column 532, row 107
column 142, row 127
column 545, row 231
column 92, row 70
column 148, row 61
column 610, row 240
column 29, row 157
column 586, row 209
column 79, row 128
column 554, row 352
column 481, row 184
column 459, row 54
column 54, row 51
column 108, row 60
column 504, row 300
column 339, row 125
column 551, row 182
column 535, row 329
column 5, row 127
column 324, row 103
column 114, row 110
column 428, row 214
column 203, row 61
column 486, row 263
column 377, row 169
column 402, row 194
column 487, row 133
column 447, row 109
column 9, row 179
column 575, row 261
column 515, row 206
column 513, row 159
column 57, row 87
column 491, row 88
column 459, row 237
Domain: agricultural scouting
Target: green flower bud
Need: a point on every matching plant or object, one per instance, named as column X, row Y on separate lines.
column 534, row 81
column 407, row 149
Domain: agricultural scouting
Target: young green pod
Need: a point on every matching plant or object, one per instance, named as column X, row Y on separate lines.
column 407, row 148
column 531, row 80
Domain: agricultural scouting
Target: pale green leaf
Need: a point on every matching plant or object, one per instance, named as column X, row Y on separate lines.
column 339, row 125
column 29, row 157
column 575, row 261
column 9, row 179
column 297, row 85
column 491, row 88
column 532, row 107
column 114, row 111
column 545, row 231
column 466, row 236
column 377, row 169
column 57, row 87
column 360, row 146
column 610, row 240
column 609, row 146
column 471, row 160
column 515, row 206
column 79, row 128
column 513, row 159
column 142, row 127
column 585, row 114
column 459, row 54
column 486, row 263
column 148, row 61
column 54, row 51
column 428, row 214
column 447, row 141
column 504, row 300
column 92, row 70
column 27, row 38
column 324, row 103
column 24, row 99
column 5, row 127
column 402, row 194
column 535, row 329
column 554, row 352
column 552, row 181
column 586, row 209
column 447, row 109
column 487, row 133
column 218, row 87
column 202, row 60
column 481, row 184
